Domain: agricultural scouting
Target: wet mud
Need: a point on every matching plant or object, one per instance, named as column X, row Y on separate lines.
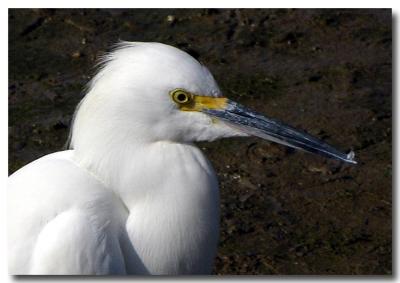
column 326, row 71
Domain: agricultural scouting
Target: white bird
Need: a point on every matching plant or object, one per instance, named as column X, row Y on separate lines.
column 134, row 195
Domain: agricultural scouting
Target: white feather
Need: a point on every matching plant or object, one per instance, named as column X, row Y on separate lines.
column 134, row 196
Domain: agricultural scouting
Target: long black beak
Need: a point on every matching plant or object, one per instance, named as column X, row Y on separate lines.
column 256, row 124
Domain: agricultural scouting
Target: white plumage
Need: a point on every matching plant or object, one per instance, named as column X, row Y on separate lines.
column 134, row 195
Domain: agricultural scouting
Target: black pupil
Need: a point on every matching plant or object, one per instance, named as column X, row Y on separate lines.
column 181, row 97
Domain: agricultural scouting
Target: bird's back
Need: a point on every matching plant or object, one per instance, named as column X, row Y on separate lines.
column 55, row 208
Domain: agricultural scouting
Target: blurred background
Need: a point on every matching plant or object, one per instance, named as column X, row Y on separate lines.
column 325, row 71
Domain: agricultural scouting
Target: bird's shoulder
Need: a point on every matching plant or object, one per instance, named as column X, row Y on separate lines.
column 57, row 179
column 53, row 169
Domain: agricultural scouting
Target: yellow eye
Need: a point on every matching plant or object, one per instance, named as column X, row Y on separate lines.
column 181, row 96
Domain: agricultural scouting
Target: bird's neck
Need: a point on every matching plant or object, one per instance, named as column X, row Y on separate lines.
column 171, row 194
column 141, row 169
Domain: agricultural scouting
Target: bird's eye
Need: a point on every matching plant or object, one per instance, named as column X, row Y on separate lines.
column 181, row 96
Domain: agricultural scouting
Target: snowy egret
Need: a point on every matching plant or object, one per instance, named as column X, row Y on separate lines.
column 134, row 195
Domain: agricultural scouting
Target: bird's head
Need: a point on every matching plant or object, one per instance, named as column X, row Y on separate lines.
column 148, row 92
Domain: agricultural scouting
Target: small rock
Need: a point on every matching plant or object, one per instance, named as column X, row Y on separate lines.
column 235, row 176
column 323, row 169
column 245, row 197
column 246, row 183
column 76, row 54
column 171, row 19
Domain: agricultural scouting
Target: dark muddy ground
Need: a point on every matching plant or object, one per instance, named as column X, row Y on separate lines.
column 327, row 71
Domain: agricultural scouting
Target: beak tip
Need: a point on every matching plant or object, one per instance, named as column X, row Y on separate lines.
column 350, row 157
